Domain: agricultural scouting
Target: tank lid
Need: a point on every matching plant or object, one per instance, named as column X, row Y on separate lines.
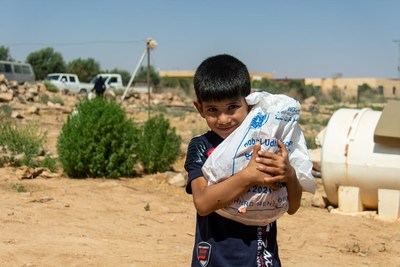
column 387, row 130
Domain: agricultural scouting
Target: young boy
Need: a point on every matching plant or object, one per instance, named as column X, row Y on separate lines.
column 221, row 84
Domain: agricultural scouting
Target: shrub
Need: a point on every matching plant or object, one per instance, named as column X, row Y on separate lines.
column 98, row 140
column 51, row 87
column 57, row 100
column 44, row 99
column 49, row 163
column 21, row 139
column 159, row 145
column 6, row 110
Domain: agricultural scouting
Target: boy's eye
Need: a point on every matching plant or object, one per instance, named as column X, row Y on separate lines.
column 211, row 110
column 234, row 106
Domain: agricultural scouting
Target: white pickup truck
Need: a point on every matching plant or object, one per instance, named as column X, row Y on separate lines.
column 70, row 82
column 111, row 80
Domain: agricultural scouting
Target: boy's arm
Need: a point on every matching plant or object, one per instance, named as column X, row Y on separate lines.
column 280, row 170
column 209, row 198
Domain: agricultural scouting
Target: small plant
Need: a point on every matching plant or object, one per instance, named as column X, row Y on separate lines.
column 159, row 145
column 21, row 139
column 6, row 110
column 57, row 100
column 98, row 141
column 20, row 188
column 44, row 98
column 49, row 163
column 310, row 141
column 147, row 207
column 51, row 87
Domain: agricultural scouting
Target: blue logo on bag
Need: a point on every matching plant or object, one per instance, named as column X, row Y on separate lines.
column 258, row 120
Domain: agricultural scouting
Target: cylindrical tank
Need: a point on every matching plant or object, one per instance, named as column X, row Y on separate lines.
column 351, row 158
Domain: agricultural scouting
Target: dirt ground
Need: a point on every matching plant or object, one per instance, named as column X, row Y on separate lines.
column 147, row 222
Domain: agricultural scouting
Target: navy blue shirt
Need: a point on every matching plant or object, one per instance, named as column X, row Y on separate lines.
column 220, row 241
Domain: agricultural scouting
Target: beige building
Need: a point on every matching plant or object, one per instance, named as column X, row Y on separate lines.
column 349, row 86
column 190, row 74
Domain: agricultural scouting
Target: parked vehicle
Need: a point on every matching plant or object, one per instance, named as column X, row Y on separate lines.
column 68, row 81
column 17, row 71
column 111, row 80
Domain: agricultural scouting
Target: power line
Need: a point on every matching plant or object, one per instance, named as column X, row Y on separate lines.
column 76, row 43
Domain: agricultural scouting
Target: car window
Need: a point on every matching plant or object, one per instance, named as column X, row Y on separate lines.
column 26, row 70
column 72, row 79
column 17, row 69
column 7, row 68
column 52, row 77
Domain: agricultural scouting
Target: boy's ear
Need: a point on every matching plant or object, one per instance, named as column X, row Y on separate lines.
column 199, row 108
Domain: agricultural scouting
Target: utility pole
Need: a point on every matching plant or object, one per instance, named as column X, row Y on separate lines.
column 150, row 44
column 398, row 66
column 148, row 75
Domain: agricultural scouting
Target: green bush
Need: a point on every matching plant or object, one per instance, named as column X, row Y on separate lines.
column 159, row 145
column 51, row 87
column 21, row 139
column 6, row 110
column 44, row 98
column 98, row 140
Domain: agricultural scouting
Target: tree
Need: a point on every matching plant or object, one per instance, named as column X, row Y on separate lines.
column 45, row 61
column 5, row 54
column 86, row 69
column 141, row 76
column 126, row 76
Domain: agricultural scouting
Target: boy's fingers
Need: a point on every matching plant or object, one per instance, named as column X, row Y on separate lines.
column 283, row 148
column 257, row 147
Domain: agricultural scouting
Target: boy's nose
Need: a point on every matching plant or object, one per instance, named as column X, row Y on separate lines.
column 224, row 119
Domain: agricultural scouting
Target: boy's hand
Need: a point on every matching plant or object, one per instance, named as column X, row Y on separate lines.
column 276, row 166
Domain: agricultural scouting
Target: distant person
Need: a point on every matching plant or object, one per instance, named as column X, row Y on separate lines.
column 221, row 84
column 99, row 86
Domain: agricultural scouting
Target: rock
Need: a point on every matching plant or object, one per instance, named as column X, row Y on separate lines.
column 315, row 155
column 177, row 180
column 33, row 110
column 3, row 78
column 16, row 115
column 6, row 97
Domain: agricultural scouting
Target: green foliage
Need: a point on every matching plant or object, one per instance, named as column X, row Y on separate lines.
column 49, row 163
column 51, row 87
column 45, row 61
column 177, row 82
column 22, row 139
column 98, row 141
column 295, row 88
column 44, row 98
column 20, row 188
column 57, row 100
column 141, row 76
column 5, row 54
column 86, row 69
column 310, row 141
column 6, row 110
column 159, row 145
column 125, row 75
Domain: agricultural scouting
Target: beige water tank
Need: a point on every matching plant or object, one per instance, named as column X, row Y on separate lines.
column 361, row 147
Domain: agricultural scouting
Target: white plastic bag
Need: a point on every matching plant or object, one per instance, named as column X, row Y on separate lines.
column 272, row 118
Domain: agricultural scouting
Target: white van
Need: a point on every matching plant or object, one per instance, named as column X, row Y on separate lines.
column 17, row 71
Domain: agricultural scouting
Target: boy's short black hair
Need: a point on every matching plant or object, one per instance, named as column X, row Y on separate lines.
column 221, row 77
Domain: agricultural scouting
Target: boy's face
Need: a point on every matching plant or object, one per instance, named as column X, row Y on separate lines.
column 223, row 117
